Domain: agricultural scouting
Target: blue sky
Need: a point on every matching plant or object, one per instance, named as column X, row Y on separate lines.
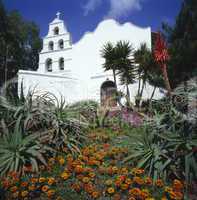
column 84, row 15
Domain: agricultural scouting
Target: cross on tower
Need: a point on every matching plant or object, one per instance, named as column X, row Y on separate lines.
column 58, row 15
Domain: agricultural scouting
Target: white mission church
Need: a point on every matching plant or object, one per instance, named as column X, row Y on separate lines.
column 75, row 71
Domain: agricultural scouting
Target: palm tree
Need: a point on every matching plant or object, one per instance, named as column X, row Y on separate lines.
column 109, row 54
column 125, row 65
column 144, row 63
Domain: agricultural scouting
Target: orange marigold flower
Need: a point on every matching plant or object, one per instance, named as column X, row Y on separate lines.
column 135, row 191
column 145, row 194
column 138, row 180
column 110, row 190
column 116, row 196
column 131, row 198
column 89, row 188
column 24, row 184
column 176, row 195
column 159, row 183
column 13, row 189
column 45, row 188
column 76, row 187
column 24, row 193
column 124, row 186
column 148, row 181
column 128, row 181
column 42, row 179
column 51, row 181
column 50, row 193
column 86, row 179
column 80, row 177
column 124, row 170
column 34, row 180
column 31, row 187
column 177, row 185
column 79, row 169
column 95, row 194
column 139, row 171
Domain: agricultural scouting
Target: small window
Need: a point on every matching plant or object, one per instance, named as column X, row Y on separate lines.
column 56, row 31
column 61, row 63
column 61, row 44
column 51, row 46
column 49, row 65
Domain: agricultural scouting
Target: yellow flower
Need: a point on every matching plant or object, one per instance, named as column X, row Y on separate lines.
column 95, row 195
column 65, row 175
column 31, row 187
column 108, row 182
column 92, row 175
column 110, row 190
column 61, row 161
column 24, row 193
column 51, row 181
column 42, row 179
column 50, row 193
column 168, row 189
column 45, row 188
column 86, row 179
column 149, row 199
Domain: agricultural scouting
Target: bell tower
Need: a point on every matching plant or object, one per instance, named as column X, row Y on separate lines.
column 55, row 56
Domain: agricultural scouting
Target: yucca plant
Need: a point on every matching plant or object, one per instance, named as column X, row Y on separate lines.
column 18, row 150
column 66, row 129
column 150, row 154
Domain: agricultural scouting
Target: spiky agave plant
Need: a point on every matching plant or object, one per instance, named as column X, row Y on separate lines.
column 18, row 150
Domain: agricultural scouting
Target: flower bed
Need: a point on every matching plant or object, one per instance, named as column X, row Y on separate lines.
column 96, row 173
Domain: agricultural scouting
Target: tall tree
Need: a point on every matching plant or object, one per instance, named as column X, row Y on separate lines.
column 125, row 64
column 109, row 54
column 143, row 60
column 20, row 44
column 182, row 39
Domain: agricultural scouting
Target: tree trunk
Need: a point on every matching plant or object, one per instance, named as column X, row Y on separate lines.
column 165, row 75
column 128, row 93
column 114, row 75
column 139, row 86
column 142, row 90
column 152, row 95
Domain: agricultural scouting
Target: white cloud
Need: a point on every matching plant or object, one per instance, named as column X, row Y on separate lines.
column 91, row 5
column 121, row 8
column 117, row 8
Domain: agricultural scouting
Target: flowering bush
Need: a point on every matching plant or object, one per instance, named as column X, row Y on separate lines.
column 94, row 174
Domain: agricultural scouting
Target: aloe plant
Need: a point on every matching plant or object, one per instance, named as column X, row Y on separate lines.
column 18, row 150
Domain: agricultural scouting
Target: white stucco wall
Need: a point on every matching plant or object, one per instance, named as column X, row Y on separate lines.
column 84, row 73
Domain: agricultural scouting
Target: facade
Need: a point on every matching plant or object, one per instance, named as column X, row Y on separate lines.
column 75, row 71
